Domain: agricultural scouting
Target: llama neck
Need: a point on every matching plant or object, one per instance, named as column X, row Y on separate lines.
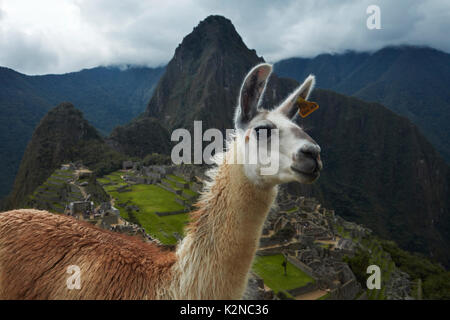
column 216, row 255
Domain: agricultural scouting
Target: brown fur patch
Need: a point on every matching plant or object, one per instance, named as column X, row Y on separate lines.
column 37, row 247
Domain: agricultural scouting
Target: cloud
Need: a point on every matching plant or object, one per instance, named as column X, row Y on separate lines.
column 53, row 36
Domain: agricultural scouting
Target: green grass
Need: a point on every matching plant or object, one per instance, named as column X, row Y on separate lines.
column 115, row 177
column 173, row 185
column 190, row 192
column 269, row 268
column 176, row 178
column 343, row 233
column 112, row 181
column 150, row 199
column 292, row 210
column 63, row 174
column 324, row 297
column 103, row 181
column 161, row 228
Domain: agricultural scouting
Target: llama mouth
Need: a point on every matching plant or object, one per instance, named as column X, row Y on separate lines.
column 314, row 174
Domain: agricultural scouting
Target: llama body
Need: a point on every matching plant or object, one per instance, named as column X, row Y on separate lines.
column 37, row 247
column 212, row 261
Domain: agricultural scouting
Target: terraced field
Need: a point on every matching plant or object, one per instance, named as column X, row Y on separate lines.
column 55, row 192
column 140, row 202
column 270, row 269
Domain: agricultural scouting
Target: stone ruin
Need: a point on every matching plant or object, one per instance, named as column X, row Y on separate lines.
column 84, row 208
column 304, row 231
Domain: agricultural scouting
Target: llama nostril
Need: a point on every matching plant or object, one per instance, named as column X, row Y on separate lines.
column 310, row 150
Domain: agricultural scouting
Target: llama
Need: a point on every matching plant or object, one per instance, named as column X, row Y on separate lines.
column 214, row 258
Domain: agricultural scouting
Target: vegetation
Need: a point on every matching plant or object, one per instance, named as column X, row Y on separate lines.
column 108, row 96
column 141, row 137
column 62, row 136
column 388, row 256
column 435, row 279
column 270, row 269
column 156, row 159
column 148, row 199
column 57, row 192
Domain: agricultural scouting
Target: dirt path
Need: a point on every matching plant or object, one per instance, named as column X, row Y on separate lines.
column 313, row 295
column 82, row 190
column 277, row 245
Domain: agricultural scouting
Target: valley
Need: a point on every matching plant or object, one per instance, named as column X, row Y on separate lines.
column 320, row 248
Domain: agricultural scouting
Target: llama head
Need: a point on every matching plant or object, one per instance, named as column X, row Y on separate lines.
column 284, row 152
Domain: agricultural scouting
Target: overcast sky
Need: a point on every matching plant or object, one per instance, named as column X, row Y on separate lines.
column 57, row 36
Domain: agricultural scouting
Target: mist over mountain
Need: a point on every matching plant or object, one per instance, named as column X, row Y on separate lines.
column 108, row 96
column 411, row 81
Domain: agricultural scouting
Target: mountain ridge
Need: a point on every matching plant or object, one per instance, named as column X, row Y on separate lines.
column 108, row 97
column 63, row 135
column 412, row 81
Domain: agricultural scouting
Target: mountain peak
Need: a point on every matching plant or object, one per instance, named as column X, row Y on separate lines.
column 65, row 108
column 214, row 28
column 211, row 59
column 213, row 34
column 214, row 21
column 63, row 135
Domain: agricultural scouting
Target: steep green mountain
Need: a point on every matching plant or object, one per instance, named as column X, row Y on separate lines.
column 379, row 169
column 411, row 81
column 108, row 96
column 63, row 187
column 141, row 137
column 202, row 80
column 63, row 135
column 21, row 108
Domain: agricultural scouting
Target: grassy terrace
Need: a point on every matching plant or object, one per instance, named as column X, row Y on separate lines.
column 149, row 199
column 176, row 178
column 269, row 268
column 172, row 184
column 46, row 195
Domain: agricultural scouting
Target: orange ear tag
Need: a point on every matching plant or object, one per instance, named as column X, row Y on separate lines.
column 305, row 108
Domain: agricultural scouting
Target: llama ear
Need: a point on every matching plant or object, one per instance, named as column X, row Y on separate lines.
column 251, row 92
column 289, row 107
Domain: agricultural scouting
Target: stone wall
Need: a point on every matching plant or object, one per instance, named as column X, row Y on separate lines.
column 312, row 286
column 302, row 267
column 169, row 213
column 348, row 291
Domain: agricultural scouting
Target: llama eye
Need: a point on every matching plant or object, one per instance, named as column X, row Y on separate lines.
column 260, row 133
